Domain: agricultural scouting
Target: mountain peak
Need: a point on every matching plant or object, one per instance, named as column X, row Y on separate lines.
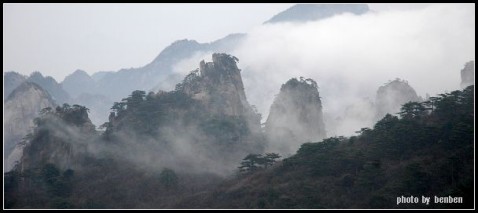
column 180, row 46
column 313, row 12
column 295, row 116
column 79, row 72
column 36, row 74
column 78, row 82
column 391, row 96
column 51, row 85
column 11, row 81
column 26, row 86
column 20, row 108
column 219, row 85
column 468, row 74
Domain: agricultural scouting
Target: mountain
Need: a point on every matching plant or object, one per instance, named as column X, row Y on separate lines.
column 98, row 105
column 20, row 109
column 208, row 113
column 313, row 12
column 218, row 86
column 158, row 74
column 77, row 83
column 59, row 138
column 198, row 131
column 391, row 96
column 83, row 90
column 378, row 169
column 468, row 74
column 11, row 81
column 99, row 75
column 155, row 76
column 53, row 88
column 180, row 149
column 295, row 116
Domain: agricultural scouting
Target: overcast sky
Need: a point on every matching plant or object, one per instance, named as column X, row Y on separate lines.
column 57, row 39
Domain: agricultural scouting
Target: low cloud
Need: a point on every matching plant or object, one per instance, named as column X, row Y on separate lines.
column 351, row 56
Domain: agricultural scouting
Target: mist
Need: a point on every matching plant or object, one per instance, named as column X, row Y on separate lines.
column 181, row 147
column 351, row 56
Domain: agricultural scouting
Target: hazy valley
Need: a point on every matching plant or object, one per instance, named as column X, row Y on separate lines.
column 291, row 115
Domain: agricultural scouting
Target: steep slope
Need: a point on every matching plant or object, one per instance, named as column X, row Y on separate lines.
column 295, row 116
column 11, row 80
column 392, row 96
column 21, row 107
column 60, row 138
column 49, row 84
column 218, row 85
column 313, row 12
column 468, row 74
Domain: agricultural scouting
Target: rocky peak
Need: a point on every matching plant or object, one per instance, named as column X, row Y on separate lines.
column 218, row 85
column 49, row 84
column 60, row 137
column 468, row 75
column 21, row 107
column 391, row 97
column 295, row 116
column 11, row 81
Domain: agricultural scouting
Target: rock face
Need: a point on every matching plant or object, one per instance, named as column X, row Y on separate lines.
column 468, row 75
column 218, row 85
column 295, row 116
column 312, row 12
column 51, row 86
column 56, row 91
column 61, row 137
column 11, row 81
column 392, row 96
column 21, row 107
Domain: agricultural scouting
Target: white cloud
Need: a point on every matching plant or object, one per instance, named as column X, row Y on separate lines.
column 351, row 56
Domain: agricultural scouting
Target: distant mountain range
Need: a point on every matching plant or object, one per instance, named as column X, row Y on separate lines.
column 159, row 74
column 13, row 80
column 313, row 12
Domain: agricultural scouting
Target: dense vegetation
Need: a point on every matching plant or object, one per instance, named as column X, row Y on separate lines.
column 426, row 150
